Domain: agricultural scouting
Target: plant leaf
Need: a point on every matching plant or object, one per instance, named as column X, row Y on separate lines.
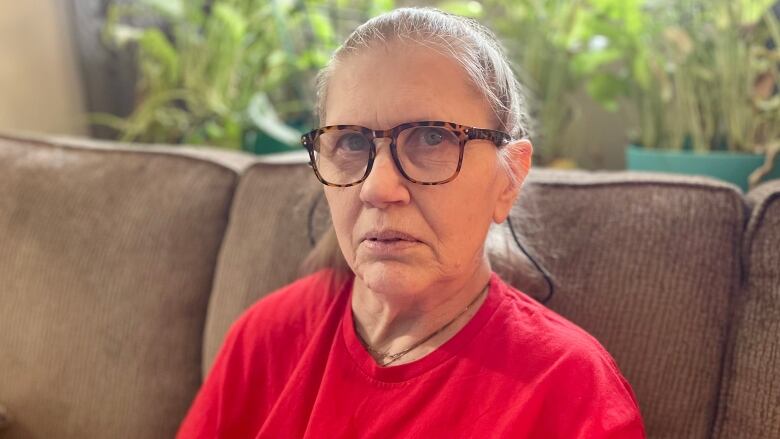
column 753, row 10
column 232, row 19
column 605, row 89
column 261, row 112
column 465, row 8
column 155, row 44
column 321, row 27
column 122, row 34
column 379, row 6
column 173, row 9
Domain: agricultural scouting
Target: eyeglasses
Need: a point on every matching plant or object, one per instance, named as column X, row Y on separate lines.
column 428, row 153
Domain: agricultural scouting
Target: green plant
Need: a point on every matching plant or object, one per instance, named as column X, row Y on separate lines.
column 208, row 63
column 703, row 73
column 559, row 48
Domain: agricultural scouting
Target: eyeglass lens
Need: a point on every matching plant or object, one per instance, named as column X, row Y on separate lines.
column 426, row 154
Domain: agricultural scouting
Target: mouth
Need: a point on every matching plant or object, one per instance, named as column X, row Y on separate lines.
column 389, row 237
column 388, row 244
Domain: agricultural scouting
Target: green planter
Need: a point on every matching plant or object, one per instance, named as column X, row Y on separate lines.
column 728, row 166
column 258, row 142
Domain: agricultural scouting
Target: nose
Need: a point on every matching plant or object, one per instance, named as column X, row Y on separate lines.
column 384, row 186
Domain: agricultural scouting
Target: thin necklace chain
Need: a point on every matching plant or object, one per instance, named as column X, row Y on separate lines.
column 387, row 358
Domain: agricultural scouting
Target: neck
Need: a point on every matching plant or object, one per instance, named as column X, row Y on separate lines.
column 392, row 323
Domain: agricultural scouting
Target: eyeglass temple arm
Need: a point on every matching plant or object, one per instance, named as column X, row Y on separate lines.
column 497, row 137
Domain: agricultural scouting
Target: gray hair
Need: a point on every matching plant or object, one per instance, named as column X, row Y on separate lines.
column 463, row 39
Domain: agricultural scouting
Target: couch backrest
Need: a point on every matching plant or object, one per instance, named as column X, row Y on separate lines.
column 109, row 257
column 648, row 264
column 750, row 405
column 106, row 265
column 267, row 239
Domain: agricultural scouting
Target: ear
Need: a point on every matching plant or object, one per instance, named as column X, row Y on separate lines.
column 519, row 155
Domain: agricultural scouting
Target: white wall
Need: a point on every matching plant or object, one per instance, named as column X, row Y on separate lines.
column 40, row 89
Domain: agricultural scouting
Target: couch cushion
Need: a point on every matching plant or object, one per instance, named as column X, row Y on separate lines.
column 266, row 241
column 646, row 263
column 750, row 406
column 106, row 267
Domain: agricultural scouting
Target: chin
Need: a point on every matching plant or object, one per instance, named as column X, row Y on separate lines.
column 391, row 278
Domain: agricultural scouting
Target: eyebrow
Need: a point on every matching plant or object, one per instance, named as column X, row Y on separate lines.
column 397, row 123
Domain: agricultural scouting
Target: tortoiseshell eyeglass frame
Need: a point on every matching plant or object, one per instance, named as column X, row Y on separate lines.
column 463, row 132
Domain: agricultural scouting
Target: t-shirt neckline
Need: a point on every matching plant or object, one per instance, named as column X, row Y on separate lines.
column 365, row 362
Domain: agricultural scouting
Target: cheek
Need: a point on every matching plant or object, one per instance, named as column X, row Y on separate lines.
column 461, row 225
column 344, row 209
column 460, row 221
column 461, row 217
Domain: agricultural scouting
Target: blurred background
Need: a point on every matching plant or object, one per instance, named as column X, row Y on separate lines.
column 610, row 80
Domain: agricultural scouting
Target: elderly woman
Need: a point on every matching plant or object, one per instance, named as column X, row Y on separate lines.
column 422, row 148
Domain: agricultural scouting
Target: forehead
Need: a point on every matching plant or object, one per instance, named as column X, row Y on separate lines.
column 389, row 84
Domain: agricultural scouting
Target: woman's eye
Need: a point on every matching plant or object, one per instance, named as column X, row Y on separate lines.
column 353, row 143
column 429, row 136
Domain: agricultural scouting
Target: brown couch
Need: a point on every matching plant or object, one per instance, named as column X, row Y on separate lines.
column 121, row 268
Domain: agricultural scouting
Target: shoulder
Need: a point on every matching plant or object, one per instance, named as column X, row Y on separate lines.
column 296, row 307
column 567, row 355
column 530, row 324
column 575, row 379
column 276, row 327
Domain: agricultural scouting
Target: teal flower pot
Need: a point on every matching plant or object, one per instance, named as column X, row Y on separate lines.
column 259, row 142
column 732, row 167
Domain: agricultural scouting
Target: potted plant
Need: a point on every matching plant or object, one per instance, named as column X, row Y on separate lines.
column 704, row 76
column 560, row 50
column 228, row 73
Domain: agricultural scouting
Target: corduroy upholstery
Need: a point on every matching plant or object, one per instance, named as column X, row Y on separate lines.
column 264, row 246
column 106, row 267
column 119, row 266
column 751, row 402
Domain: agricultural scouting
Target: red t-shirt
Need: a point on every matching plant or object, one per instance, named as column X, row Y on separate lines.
column 293, row 367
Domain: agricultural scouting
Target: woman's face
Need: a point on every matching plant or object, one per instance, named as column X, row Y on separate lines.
column 442, row 228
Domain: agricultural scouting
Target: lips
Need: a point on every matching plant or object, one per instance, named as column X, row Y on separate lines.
column 388, row 244
column 388, row 236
